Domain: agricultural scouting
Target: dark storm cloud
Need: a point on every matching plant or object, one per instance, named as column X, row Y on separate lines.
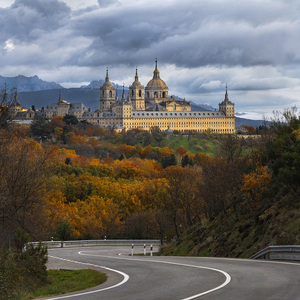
column 185, row 33
column 192, row 34
column 29, row 20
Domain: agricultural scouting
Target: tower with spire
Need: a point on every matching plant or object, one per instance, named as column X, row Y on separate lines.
column 122, row 110
column 15, row 105
column 136, row 93
column 226, row 106
column 107, row 94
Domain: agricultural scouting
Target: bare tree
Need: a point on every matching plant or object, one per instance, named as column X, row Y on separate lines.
column 5, row 104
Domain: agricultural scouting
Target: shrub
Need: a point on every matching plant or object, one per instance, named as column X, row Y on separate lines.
column 22, row 271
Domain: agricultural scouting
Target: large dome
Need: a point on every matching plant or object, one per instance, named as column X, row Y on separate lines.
column 156, row 82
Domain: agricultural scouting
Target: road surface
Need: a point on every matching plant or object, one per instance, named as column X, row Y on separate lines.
column 160, row 277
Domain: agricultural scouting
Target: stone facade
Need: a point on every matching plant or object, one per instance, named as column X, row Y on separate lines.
column 148, row 107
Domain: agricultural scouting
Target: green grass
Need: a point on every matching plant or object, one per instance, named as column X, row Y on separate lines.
column 66, row 281
column 208, row 145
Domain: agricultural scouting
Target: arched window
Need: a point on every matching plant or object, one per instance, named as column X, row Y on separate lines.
column 155, row 95
column 164, row 95
column 132, row 93
column 140, row 93
column 103, row 93
column 147, row 94
column 110, row 94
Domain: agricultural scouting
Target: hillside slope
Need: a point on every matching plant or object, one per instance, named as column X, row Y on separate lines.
column 240, row 233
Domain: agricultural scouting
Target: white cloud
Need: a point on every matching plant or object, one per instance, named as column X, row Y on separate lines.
column 6, row 3
column 9, row 45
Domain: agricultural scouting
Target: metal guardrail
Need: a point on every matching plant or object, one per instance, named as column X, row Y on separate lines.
column 90, row 243
column 289, row 252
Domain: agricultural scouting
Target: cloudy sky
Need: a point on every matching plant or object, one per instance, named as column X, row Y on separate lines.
column 201, row 45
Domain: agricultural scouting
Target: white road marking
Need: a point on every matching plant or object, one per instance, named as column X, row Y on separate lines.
column 126, row 278
column 227, row 276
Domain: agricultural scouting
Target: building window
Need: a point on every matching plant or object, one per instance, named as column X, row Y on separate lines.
column 140, row 93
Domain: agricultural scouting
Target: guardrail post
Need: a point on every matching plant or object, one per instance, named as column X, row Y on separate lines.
column 151, row 249
column 132, row 249
column 144, row 249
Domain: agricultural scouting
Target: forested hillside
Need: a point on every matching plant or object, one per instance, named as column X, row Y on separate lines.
column 201, row 194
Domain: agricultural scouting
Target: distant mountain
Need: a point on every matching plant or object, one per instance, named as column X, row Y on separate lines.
column 27, row 84
column 203, row 107
column 96, row 84
column 255, row 123
column 89, row 97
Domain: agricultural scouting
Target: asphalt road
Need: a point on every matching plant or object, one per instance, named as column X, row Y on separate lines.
column 158, row 277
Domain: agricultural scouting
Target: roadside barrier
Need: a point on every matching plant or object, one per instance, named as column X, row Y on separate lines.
column 90, row 243
column 289, row 252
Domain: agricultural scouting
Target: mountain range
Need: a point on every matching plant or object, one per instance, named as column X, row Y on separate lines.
column 27, row 84
column 40, row 93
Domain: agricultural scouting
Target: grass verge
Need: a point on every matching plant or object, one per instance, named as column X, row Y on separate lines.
column 67, row 281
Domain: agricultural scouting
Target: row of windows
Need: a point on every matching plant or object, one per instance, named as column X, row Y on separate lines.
column 218, row 130
column 177, row 114
column 187, row 124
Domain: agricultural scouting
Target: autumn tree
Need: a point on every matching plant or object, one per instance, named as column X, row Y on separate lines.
column 23, row 173
column 256, row 182
column 57, row 122
column 249, row 129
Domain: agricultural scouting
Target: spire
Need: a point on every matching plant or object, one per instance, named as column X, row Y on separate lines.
column 59, row 97
column 136, row 75
column 123, row 94
column 15, row 98
column 226, row 95
column 156, row 72
column 107, row 78
column 129, row 98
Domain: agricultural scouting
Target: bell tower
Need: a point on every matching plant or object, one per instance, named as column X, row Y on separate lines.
column 227, row 106
column 136, row 94
column 107, row 94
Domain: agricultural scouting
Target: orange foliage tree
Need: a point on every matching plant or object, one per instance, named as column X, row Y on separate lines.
column 256, row 182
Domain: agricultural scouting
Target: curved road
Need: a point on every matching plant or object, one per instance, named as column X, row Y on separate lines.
column 160, row 277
